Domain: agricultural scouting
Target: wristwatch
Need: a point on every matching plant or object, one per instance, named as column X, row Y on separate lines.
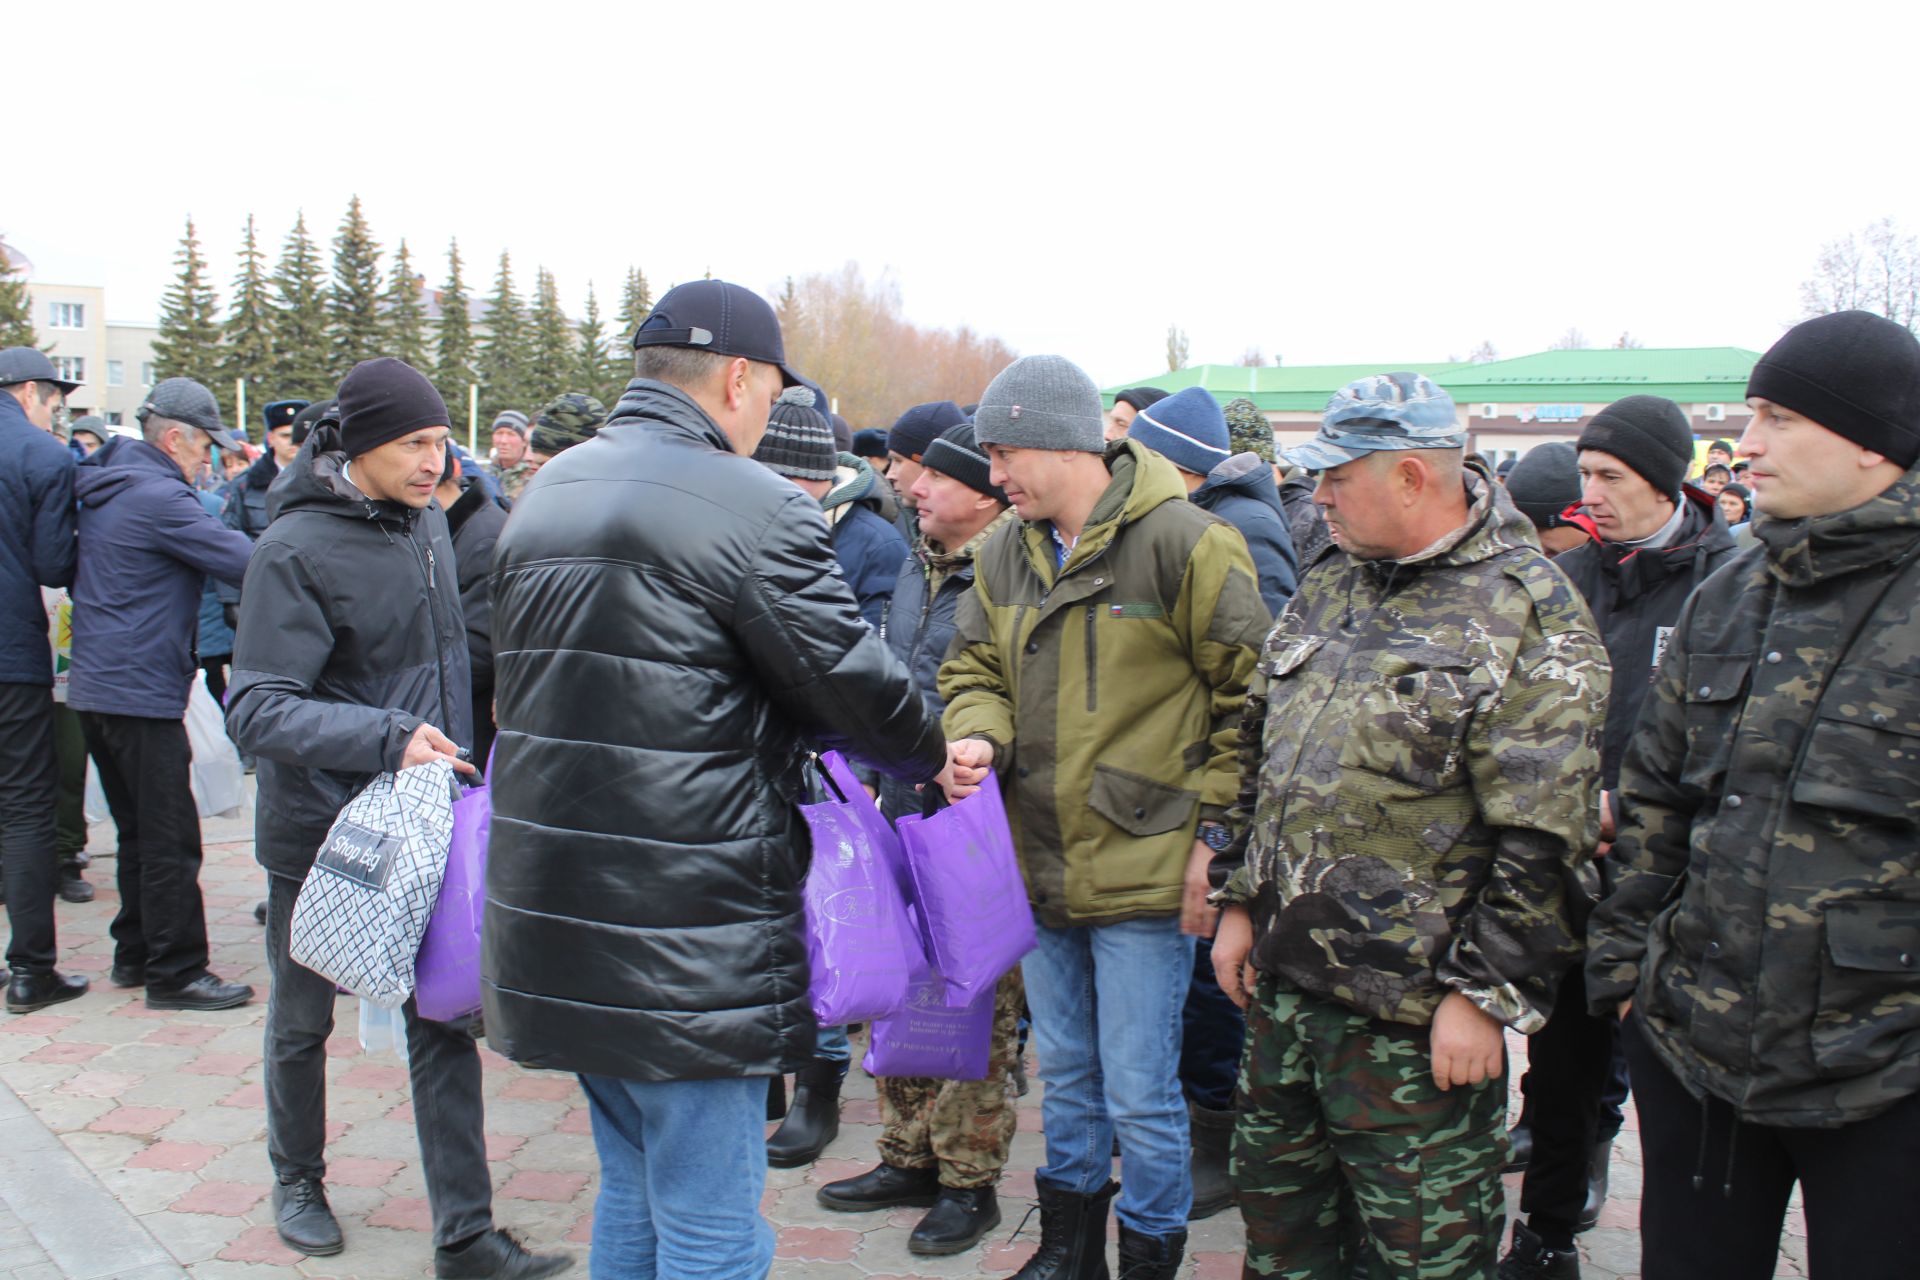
column 1216, row 836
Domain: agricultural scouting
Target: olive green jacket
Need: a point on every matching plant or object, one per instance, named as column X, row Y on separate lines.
column 1111, row 689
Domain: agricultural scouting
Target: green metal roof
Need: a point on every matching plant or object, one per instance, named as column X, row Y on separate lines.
column 1690, row 375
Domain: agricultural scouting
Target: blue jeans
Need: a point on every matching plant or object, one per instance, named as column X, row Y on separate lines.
column 682, row 1167
column 830, row 1044
column 1106, row 1003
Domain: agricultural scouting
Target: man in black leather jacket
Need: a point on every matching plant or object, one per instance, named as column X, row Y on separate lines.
column 669, row 627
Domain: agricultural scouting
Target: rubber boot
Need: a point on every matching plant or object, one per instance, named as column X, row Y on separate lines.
column 1144, row 1257
column 813, row 1120
column 1596, row 1187
column 1212, row 1137
column 1073, row 1235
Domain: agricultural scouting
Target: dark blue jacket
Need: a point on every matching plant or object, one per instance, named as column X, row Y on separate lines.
column 867, row 544
column 1241, row 491
column 216, row 637
column 146, row 548
column 36, row 540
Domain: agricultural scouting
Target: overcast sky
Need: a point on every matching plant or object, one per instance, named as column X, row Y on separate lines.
column 1331, row 183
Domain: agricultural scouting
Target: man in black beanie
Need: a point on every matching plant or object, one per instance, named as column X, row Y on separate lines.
column 1764, row 928
column 1128, row 405
column 350, row 660
column 1543, row 484
column 1654, row 539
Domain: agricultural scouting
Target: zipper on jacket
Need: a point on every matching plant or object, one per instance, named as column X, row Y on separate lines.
column 433, row 623
column 1093, row 657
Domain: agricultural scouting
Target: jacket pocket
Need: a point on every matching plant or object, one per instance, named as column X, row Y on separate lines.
column 1143, row 808
column 1869, row 1008
column 1716, row 685
column 1410, row 722
column 1863, row 762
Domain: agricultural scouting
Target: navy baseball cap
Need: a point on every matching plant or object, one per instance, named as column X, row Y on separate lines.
column 713, row 315
column 184, row 400
column 30, row 364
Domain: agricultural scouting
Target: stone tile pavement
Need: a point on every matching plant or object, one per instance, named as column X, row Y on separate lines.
column 126, row 1129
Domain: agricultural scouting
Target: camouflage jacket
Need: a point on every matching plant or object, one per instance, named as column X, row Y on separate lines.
column 1419, row 765
column 1766, row 919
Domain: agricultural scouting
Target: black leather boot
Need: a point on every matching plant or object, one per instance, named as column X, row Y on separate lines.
column 883, row 1187
column 304, row 1219
column 813, row 1120
column 1073, row 1235
column 1531, row 1259
column 29, row 991
column 1597, row 1173
column 1212, row 1137
column 1144, row 1257
column 956, row 1222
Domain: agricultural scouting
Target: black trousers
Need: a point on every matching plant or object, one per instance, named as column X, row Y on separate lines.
column 1859, row 1184
column 70, row 809
column 443, row 1064
column 1569, row 1062
column 144, row 769
column 29, row 781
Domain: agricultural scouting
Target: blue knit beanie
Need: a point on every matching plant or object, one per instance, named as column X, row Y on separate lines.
column 1187, row 428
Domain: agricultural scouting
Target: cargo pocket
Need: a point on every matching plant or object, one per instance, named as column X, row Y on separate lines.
column 1863, row 762
column 1411, row 724
column 1869, row 986
column 1141, row 807
column 1715, row 686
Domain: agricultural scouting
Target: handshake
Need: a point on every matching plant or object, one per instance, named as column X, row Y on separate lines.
column 967, row 763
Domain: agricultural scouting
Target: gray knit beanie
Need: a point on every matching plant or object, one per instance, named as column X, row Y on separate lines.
column 1041, row 402
column 799, row 441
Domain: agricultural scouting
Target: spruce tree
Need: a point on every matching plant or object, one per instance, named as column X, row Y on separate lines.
column 188, row 343
column 403, row 314
column 504, row 355
column 636, row 304
column 598, row 373
column 551, row 342
column 355, row 303
column 453, row 364
column 247, row 336
column 302, row 359
column 16, row 312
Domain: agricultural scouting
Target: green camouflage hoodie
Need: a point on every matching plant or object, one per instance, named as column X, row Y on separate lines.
column 1419, row 770
column 1766, row 915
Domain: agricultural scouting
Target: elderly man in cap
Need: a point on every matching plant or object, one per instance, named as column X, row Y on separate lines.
column 1417, row 783
column 36, row 550
column 669, row 621
column 509, row 459
column 147, row 546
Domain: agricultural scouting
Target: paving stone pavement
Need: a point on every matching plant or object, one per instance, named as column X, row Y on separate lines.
column 165, row 1111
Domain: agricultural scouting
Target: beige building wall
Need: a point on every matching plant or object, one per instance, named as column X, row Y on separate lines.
column 129, row 361
column 71, row 322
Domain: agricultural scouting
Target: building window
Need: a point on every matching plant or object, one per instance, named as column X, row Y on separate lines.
column 70, row 368
column 113, row 418
column 116, row 373
column 69, row 315
column 146, row 374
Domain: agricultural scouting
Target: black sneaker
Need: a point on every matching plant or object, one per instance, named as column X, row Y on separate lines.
column 75, row 889
column 496, row 1255
column 304, row 1219
column 128, row 975
column 1531, row 1259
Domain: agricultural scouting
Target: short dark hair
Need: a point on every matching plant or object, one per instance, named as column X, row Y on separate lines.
column 684, row 367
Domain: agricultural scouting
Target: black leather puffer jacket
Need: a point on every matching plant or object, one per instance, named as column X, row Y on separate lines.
column 669, row 624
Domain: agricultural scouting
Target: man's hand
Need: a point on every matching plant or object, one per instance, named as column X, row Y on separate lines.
column 1626, row 1008
column 429, row 744
column 1466, row 1043
column 1232, row 944
column 967, row 763
column 1197, row 915
column 1608, row 831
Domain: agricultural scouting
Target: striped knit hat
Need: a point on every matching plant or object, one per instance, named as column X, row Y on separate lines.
column 799, row 440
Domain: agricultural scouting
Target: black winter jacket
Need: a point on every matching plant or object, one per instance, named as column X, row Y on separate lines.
column 350, row 638
column 475, row 521
column 1636, row 597
column 669, row 625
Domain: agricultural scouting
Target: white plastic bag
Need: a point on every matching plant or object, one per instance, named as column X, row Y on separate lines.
column 383, row 1030
column 96, row 800
column 216, row 779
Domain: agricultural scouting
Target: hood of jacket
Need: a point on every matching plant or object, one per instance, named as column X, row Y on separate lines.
column 316, row 480
column 261, row 474
column 1141, row 480
column 1803, row 552
column 1493, row 527
column 854, row 481
column 1243, row 474
column 119, row 465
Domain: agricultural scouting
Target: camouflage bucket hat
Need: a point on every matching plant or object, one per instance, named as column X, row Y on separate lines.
column 566, row 421
column 1384, row 411
column 1248, row 429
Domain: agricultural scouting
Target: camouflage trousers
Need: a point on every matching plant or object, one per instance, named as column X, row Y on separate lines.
column 963, row 1126
column 1345, row 1144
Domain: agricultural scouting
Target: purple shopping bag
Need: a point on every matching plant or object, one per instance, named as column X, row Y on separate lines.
column 967, row 892
column 446, row 974
column 927, row 1038
column 860, row 945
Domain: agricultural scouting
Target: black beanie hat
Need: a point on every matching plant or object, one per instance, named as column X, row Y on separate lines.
column 919, row 426
column 954, row 452
column 1545, row 483
column 1141, row 398
column 1855, row 373
column 308, row 418
column 384, row 399
column 1648, row 433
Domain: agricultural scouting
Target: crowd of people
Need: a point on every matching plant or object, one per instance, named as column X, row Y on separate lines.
column 1325, row 770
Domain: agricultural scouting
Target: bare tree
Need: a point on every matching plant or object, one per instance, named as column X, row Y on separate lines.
column 1627, row 342
column 1176, row 348
column 1485, row 353
column 1571, row 340
column 1877, row 271
column 1252, row 358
